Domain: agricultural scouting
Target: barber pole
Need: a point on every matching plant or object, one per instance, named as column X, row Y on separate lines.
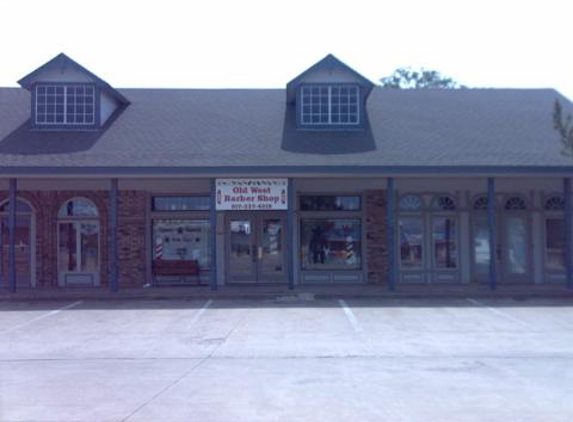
column 349, row 249
column 159, row 249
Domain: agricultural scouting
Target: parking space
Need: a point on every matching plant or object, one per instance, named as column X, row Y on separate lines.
column 328, row 360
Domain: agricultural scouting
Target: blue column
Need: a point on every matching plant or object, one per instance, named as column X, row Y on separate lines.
column 113, row 279
column 290, row 227
column 12, row 236
column 492, row 226
column 213, row 235
column 390, row 233
column 568, row 231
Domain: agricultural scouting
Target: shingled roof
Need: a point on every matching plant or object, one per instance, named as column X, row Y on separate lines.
column 166, row 130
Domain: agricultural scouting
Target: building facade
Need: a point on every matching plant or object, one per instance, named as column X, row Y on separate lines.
column 331, row 180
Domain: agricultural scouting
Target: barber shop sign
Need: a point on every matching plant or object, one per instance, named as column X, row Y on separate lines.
column 251, row 194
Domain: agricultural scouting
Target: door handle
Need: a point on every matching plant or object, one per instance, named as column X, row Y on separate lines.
column 259, row 252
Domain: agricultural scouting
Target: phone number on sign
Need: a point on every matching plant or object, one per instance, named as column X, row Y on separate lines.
column 244, row 207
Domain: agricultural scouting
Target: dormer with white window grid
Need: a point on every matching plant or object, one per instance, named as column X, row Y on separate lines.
column 329, row 96
column 66, row 96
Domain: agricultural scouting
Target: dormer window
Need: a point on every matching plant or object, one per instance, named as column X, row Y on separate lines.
column 58, row 105
column 329, row 105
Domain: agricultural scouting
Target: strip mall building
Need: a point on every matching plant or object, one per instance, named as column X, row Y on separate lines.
column 331, row 180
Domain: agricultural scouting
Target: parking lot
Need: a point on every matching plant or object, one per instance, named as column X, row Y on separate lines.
column 394, row 360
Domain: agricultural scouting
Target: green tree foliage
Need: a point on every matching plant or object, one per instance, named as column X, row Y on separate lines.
column 564, row 127
column 406, row 78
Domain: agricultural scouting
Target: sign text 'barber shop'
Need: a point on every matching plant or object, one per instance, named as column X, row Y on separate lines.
column 251, row 194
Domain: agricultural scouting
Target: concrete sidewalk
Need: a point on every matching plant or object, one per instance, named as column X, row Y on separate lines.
column 303, row 292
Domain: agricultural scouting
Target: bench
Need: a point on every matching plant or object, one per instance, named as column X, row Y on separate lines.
column 175, row 267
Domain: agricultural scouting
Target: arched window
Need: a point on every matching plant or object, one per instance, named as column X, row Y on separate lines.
column 21, row 206
column 555, row 203
column 411, row 202
column 78, row 207
column 515, row 203
column 481, row 203
column 78, row 242
column 443, row 203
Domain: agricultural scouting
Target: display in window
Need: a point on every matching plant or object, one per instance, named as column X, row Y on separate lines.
column 331, row 243
column 182, row 240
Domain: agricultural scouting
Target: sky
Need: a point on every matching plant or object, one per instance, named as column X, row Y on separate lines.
column 265, row 44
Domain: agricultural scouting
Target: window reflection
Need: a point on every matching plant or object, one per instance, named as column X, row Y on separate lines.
column 445, row 244
column 516, row 245
column 411, row 240
column 555, row 243
column 331, row 243
column 481, row 246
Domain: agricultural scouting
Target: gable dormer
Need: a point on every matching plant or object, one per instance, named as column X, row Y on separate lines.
column 65, row 95
column 329, row 95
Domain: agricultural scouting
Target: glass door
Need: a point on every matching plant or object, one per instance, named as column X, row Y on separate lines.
column 255, row 248
column 516, row 251
column 241, row 253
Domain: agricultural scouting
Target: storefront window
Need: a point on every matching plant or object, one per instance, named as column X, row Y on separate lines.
column 175, row 240
column 181, row 203
column 330, row 203
column 481, row 245
column 411, row 241
column 555, row 243
column 331, row 243
column 445, row 244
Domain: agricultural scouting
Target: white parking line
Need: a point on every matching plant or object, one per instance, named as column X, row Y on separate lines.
column 498, row 312
column 200, row 312
column 351, row 317
column 38, row 318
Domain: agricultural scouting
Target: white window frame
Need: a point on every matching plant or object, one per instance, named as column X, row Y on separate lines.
column 307, row 90
column 65, row 122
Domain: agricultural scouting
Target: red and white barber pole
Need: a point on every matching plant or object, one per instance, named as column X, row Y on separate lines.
column 349, row 247
column 159, row 248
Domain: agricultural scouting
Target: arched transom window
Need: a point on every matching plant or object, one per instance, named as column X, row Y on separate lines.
column 21, row 206
column 78, row 207
column 481, row 203
column 555, row 203
column 411, row 202
column 515, row 203
column 443, row 203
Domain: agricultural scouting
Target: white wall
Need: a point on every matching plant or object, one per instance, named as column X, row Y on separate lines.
column 107, row 106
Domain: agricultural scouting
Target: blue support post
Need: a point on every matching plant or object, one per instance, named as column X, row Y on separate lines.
column 113, row 198
column 568, row 231
column 12, row 236
column 492, row 226
column 213, row 235
column 390, row 233
column 291, row 204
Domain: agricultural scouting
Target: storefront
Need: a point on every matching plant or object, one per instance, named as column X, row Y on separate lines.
column 330, row 180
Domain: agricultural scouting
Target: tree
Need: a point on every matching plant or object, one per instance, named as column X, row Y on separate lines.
column 406, row 77
column 564, row 127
